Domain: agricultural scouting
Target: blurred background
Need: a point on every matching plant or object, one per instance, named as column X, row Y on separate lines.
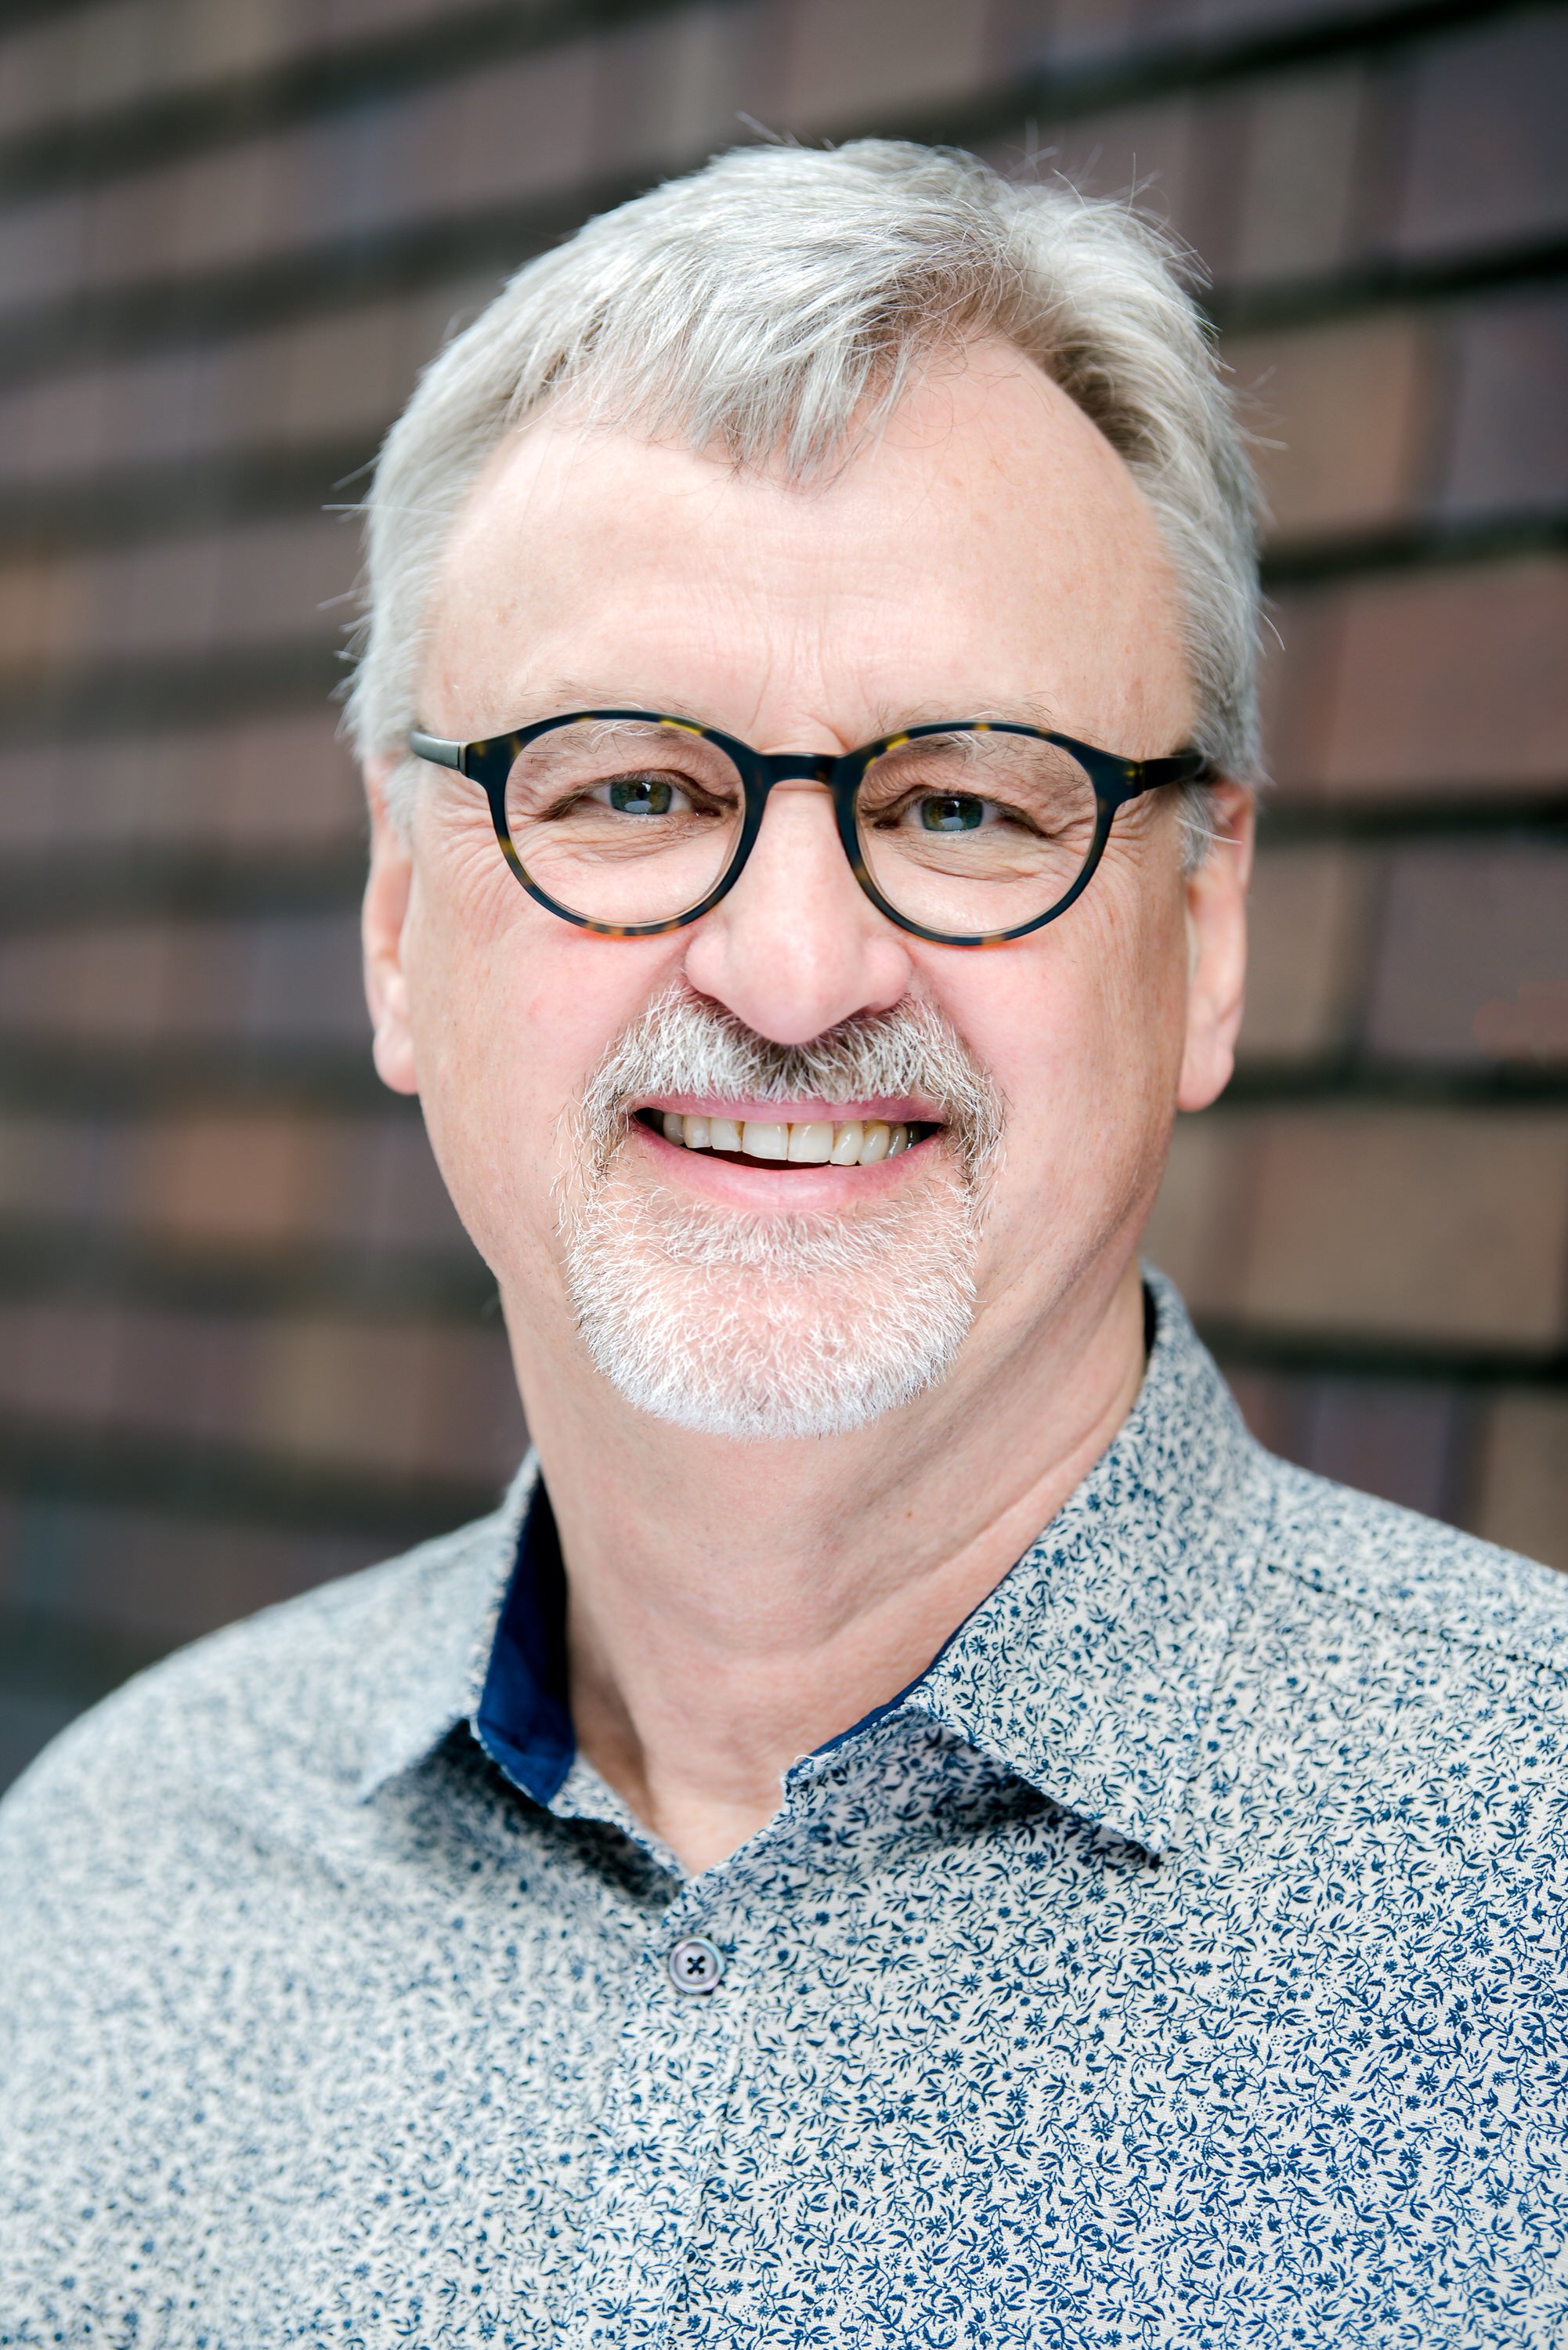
column 243, row 1343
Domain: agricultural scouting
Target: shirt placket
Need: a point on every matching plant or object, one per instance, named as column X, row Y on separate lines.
column 669, row 2087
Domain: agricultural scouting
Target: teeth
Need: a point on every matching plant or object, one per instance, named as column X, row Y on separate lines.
column 813, row 1142
column 811, row 1145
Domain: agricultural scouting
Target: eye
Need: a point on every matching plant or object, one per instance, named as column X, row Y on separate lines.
column 642, row 795
column 954, row 812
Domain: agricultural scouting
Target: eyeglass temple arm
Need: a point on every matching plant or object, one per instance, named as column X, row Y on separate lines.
column 1182, row 768
column 436, row 749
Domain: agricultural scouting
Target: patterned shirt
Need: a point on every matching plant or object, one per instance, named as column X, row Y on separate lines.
column 1179, row 1961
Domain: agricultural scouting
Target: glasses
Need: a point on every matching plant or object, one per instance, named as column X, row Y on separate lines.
column 969, row 833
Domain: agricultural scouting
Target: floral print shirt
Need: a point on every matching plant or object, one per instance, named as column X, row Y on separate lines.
column 1178, row 1961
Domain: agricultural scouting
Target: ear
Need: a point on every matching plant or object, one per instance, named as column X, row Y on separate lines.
column 385, row 911
column 1217, row 948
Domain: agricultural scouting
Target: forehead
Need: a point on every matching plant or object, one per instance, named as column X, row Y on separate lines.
column 986, row 544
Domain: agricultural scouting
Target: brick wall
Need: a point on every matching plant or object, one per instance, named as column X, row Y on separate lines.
column 242, row 1343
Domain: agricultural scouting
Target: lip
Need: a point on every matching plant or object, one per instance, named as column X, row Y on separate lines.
column 769, row 1190
column 908, row 1110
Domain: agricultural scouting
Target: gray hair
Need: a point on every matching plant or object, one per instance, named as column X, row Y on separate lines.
column 777, row 303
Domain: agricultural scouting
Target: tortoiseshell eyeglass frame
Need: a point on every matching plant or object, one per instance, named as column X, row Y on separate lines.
column 1116, row 781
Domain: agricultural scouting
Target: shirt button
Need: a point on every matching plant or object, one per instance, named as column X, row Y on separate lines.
column 695, row 1965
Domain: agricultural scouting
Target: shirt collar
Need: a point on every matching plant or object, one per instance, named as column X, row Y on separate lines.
column 445, row 1635
column 1087, row 1671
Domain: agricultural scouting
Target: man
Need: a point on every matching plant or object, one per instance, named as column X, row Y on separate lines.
column 906, row 1825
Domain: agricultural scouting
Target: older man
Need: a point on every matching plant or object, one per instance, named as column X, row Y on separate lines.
column 906, row 1825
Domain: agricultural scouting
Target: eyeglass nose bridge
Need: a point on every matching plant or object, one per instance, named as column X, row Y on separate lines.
column 791, row 767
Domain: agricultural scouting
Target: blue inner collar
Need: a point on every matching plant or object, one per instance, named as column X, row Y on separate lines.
column 524, row 1719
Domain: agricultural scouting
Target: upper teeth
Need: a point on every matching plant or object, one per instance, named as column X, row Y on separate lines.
column 810, row 1143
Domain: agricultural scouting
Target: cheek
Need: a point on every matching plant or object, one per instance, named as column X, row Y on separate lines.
column 1083, row 1029
column 511, row 1010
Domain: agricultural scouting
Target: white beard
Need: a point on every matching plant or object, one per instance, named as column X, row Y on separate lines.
column 785, row 1326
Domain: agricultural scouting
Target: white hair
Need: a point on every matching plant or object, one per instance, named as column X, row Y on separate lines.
column 777, row 304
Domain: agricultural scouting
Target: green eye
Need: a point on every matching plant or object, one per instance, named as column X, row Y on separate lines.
column 642, row 795
column 952, row 812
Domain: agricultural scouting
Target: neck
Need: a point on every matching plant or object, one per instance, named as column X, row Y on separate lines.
column 731, row 1606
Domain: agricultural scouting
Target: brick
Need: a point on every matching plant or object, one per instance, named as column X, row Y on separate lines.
column 284, row 579
column 41, row 600
column 247, row 1178
column 1397, row 1439
column 1522, row 1499
column 1198, row 1224
column 1487, row 162
column 47, row 1166
column 412, row 1397
column 354, row 172
column 1309, row 913
column 225, row 1179
column 1507, row 447
column 61, row 1361
column 42, row 248
column 344, row 373
column 132, row 225
column 269, row 783
column 1446, row 681
column 426, row 1400
column 111, row 57
column 266, row 979
column 286, row 780
column 1342, row 417
column 164, row 1578
column 398, row 1200
column 33, row 76
column 155, row 599
column 1432, row 1227
column 60, row 424
column 202, row 44
column 1296, row 204
column 1215, row 18
column 1148, row 151
column 313, row 380
column 673, row 87
column 117, row 983
column 1468, row 931
column 852, row 66
column 504, row 134
column 303, row 979
column 1068, row 34
column 189, row 1375
column 227, row 207
column 1402, row 1440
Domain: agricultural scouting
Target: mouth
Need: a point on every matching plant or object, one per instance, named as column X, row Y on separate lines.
column 783, row 1143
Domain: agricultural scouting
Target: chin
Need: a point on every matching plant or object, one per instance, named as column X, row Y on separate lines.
column 782, row 1326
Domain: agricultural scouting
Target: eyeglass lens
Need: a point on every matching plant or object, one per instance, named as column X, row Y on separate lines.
column 969, row 833
column 625, row 822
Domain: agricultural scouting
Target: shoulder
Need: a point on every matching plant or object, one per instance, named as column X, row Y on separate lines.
column 1420, row 1583
column 283, row 1709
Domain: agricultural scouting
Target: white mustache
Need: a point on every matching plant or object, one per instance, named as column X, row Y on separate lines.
column 684, row 1043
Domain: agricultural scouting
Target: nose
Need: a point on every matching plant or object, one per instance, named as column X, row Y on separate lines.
column 796, row 946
